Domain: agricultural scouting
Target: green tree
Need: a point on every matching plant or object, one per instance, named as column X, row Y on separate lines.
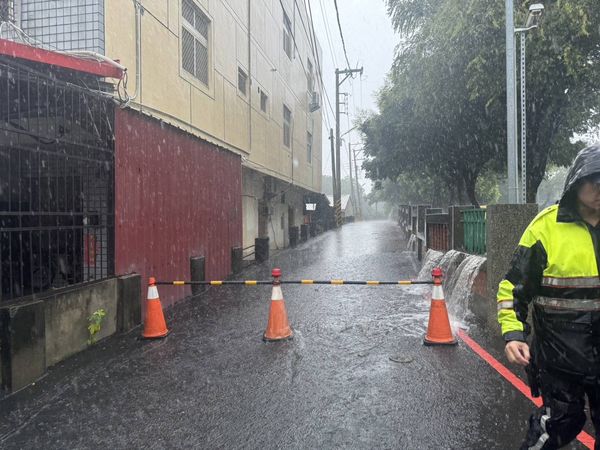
column 442, row 113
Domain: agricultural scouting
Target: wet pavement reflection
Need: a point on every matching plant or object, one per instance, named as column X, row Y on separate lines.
column 355, row 375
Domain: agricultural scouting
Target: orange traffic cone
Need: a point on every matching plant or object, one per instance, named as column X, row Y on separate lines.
column 438, row 330
column 154, row 325
column 278, row 327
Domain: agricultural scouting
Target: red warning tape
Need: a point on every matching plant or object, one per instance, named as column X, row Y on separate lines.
column 583, row 437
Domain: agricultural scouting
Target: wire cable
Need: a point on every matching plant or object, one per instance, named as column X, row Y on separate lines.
column 337, row 14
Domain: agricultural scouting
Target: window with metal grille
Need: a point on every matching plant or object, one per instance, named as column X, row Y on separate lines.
column 242, row 81
column 287, row 126
column 7, row 11
column 56, row 184
column 309, row 144
column 264, row 99
column 287, row 35
column 195, row 41
column 64, row 24
column 309, row 78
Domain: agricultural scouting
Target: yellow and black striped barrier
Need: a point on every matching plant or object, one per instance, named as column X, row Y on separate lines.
column 305, row 282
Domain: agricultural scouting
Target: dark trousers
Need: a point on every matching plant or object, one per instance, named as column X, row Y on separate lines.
column 562, row 417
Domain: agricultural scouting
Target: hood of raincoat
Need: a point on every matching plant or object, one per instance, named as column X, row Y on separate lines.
column 587, row 162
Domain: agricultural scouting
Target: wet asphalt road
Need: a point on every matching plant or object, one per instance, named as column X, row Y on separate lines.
column 213, row 383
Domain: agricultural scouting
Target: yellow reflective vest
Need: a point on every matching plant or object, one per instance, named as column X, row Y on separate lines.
column 555, row 269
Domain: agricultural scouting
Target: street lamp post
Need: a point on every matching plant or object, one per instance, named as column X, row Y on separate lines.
column 533, row 21
column 511, row 104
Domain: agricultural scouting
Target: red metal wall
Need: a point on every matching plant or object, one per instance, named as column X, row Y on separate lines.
column 175, row 197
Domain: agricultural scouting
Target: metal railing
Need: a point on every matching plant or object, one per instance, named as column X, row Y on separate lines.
column 474, row 230
column 56, row 184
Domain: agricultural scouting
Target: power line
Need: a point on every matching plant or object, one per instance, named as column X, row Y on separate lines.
column 312, row 40
column 337, row 14
column 320, row 72
column 301, row 62
column 327, row 31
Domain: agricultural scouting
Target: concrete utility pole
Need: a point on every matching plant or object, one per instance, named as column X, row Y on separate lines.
column 333, row 171
column 338, row 193
column 511, row 104
column 357, row 186
column 352, row 196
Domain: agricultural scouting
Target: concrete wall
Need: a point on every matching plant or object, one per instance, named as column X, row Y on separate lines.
column 219, row 112
column 504, row 226
column 37, row 334
column 66, row 319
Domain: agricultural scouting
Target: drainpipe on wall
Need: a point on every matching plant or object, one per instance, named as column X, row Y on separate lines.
column 139, row 10
column 249, row 82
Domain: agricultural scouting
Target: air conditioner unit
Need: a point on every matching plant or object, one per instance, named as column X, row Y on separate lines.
column 315, row 102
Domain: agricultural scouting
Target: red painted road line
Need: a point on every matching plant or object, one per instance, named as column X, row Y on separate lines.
column 583, row 437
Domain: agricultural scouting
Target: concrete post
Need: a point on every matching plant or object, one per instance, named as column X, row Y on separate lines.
column 198, row 273
column 504, row 226
column 261, row 249
column 304, row 232
column 129, row 306
column 23, row 351
column 294, row 232
column 237, row 258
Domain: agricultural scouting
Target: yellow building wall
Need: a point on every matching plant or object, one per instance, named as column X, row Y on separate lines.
column 219, row 112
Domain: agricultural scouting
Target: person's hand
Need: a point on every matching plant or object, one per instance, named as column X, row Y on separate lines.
column 517, row 352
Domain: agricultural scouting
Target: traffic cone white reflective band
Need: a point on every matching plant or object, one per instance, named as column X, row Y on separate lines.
column 439, row 331
column 277, row 294
column 154, row 323
column 152, row 293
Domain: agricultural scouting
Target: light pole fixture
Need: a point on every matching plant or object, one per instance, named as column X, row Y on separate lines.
column 511, row 105
column 534, row 19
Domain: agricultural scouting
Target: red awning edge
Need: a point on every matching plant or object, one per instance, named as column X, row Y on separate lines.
column 99, row 68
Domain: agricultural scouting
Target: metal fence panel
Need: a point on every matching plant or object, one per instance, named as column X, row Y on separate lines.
column 56, row 184
column 474, row 230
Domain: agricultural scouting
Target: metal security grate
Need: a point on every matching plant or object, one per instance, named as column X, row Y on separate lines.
column 56, row 184
column 287, row 35
column 263, row 101
column 195, row 41
column 7, row 11
column 65, row 24
column 242, row 81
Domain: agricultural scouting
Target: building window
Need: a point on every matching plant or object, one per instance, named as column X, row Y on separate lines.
column 263, row 101
column 194, row 41
column 309, row 78
column 309, row 144
column 287, row 35
column 287, row 127
column 242, row 81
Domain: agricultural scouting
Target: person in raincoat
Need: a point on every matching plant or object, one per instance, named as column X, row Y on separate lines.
column 555, row 269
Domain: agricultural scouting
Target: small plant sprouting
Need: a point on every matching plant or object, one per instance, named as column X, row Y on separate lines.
column 95, row 324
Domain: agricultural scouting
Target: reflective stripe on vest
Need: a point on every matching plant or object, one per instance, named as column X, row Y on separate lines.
column 569, row 303
column 506, row 304
column 576, row 282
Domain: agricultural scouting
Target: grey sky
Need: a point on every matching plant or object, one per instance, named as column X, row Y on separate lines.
column 370, row 41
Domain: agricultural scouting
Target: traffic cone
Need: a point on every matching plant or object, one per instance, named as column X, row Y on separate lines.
column 438, row 329
column 154, row 325
column 278, row 328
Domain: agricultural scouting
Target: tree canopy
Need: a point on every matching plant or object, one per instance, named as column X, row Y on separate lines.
column 442, row 113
